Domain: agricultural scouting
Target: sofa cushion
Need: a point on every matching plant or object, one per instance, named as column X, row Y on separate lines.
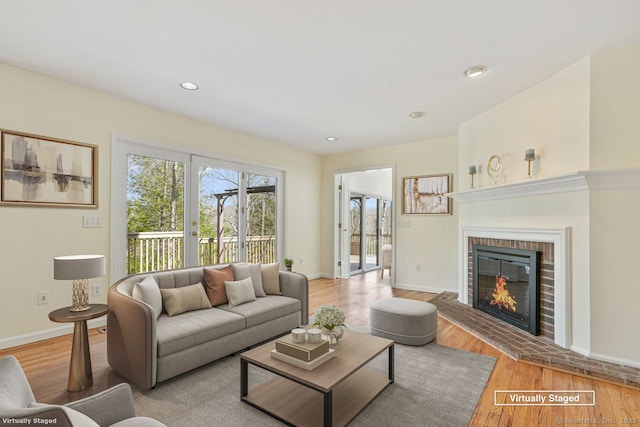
column 193, row 328
column 215, row 278
column 265, row 309
column 186, row 298
column 240, row 291
column 148, row 292
column 242, row 270
column 271, row 278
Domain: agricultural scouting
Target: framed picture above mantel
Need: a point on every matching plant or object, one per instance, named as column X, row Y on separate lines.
column 43, row 171
column 426, row 194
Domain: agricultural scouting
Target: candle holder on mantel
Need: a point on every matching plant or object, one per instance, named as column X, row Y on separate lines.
column 472, row 172
column 529, row 156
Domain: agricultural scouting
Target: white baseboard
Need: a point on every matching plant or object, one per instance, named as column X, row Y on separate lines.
column 612, row 359
column 579, row 350
column 411, row 287
column 46, row 334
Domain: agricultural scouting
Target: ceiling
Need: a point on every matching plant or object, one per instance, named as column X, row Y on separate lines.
column 297, row 71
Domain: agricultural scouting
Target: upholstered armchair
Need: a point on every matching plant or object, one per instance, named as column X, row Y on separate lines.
column 112, row 407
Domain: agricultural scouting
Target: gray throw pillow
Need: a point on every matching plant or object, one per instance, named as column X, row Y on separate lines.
column 242, row 270
column 239, row 291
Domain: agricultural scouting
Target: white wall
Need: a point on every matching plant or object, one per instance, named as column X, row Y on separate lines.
column 372, row 183
column 430, row 240
column 615, row 143
column 551, row 117
column 32, row 236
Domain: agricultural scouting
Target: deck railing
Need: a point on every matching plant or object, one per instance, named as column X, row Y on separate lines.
column 151, row 251
column 370, row 243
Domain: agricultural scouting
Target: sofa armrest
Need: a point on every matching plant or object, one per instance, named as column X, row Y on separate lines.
column 107, row 407
column 131, row 337
column 296, row 285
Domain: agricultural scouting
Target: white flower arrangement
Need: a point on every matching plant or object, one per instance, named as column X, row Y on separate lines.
column 329, row 316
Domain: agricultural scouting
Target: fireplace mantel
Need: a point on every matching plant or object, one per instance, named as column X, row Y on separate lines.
column 577, row 181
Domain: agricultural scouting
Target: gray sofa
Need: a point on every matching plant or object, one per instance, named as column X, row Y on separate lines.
column 112, row 407
column 147, row 350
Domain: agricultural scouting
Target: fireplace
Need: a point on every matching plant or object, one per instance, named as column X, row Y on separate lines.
column 506, row 285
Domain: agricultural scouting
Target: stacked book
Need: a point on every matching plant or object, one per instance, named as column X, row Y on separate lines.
column 306, row 355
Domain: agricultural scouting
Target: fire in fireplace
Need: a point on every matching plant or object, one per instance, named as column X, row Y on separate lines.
column 505, row 285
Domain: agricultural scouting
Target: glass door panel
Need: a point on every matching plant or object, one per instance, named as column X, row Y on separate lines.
column 155, row 214
column 261, row 218
column 385, row 222
column 372, row 230
column 218, row 216
column 355, row 245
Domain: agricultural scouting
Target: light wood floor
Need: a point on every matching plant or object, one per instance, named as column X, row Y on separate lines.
column 46, row 365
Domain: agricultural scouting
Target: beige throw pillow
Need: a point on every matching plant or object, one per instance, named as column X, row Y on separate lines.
column 242, row 270
column 240, row 291
column 186, row 298
column 148, row 292
column 271, row 279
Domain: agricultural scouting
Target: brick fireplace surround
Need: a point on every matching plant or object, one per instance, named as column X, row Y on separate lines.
column 523, row 346
column 546, row 308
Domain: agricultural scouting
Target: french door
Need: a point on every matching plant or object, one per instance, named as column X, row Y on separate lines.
column 238, row 212
column 173, row 209
column 370, row 229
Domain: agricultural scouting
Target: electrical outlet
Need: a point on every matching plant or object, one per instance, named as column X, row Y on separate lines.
column 418, row 267
column 96, row 290
column 43, row 297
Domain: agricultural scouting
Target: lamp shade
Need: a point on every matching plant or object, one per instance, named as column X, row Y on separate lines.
column 78, row 267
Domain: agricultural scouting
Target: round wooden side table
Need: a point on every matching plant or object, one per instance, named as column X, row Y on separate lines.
column 80, row 373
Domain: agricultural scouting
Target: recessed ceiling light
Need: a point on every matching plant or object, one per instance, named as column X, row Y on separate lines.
column 475, row 71
column 417, row 114
column 189, row 86
column 332, row 138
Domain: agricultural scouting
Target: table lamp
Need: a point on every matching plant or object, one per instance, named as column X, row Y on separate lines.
column 79, row 269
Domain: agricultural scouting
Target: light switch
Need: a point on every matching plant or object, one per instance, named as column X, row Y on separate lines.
column 92, row 221
column 404, row 223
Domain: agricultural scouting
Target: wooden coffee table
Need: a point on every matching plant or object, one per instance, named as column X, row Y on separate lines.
column 331, row 394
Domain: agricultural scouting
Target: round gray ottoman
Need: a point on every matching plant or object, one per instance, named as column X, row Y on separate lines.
column 405, row 321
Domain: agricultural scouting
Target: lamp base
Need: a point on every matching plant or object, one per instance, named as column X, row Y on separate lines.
column 80, row 301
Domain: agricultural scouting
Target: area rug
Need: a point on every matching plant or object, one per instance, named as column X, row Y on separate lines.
column 434, row 386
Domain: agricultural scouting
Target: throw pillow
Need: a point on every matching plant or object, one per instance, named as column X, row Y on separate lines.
column 271, row 279
column 243, row 270
column 148, row 292
column 76, row 418
column 186, row 298
column 215, row 278
column 240, row 291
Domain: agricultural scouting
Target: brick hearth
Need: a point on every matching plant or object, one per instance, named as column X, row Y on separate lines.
column 529, row 348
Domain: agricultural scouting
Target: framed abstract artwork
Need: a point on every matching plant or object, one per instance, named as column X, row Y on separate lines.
column 426, row 194
column 43, row 171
